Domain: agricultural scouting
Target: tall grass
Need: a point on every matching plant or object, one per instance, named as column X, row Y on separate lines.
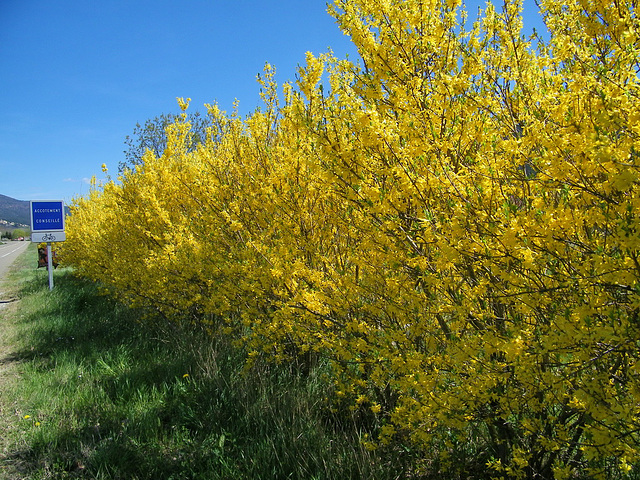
column 95, row 392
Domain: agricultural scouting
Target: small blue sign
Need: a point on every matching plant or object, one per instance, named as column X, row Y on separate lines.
column 47, row 216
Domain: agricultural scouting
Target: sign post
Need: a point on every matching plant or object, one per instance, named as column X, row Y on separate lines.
column 47, row 225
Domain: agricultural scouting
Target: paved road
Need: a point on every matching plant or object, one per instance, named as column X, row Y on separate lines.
column 8, row 253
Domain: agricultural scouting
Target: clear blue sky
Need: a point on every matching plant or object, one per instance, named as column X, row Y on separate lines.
column 76, row 75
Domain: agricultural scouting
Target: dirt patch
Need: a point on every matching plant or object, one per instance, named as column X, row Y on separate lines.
column 8, row 309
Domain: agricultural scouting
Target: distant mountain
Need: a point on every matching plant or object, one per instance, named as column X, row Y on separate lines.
column 15, row 211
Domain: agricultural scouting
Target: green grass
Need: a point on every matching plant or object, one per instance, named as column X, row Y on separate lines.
column 89, row 390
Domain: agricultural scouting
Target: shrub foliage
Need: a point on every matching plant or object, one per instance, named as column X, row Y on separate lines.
column 453, row 221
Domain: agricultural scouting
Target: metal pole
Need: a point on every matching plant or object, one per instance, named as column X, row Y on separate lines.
column 50, row 265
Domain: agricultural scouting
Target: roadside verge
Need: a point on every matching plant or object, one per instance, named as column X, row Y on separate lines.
column 10, row 361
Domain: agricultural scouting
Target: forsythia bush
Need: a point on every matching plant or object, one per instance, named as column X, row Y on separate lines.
column 454, row 222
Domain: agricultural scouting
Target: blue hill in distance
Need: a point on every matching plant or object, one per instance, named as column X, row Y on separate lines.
column 14, row 211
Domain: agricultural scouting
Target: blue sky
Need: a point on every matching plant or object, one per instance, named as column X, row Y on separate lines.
column 76, row 75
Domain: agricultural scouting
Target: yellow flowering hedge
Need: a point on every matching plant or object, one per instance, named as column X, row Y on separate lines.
column 453, row 221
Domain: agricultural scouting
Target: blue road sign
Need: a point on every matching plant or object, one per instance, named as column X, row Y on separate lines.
column 47, row 216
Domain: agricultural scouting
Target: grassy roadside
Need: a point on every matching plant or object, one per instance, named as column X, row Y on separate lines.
column 89, row 391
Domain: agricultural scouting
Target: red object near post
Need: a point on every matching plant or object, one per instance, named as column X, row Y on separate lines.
column 43, row 260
